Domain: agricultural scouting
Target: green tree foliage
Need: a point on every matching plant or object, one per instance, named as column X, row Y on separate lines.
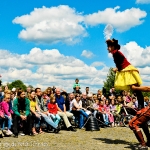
column 109, row 83
column 146, row 94
column 17, row 84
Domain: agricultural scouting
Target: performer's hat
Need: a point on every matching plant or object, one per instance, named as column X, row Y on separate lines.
column 113, row 42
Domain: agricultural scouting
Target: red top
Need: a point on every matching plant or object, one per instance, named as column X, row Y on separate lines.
column 52, row 108
column 102, row 108
column 120, row 60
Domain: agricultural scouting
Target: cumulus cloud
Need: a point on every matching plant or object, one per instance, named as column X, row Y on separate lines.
column 87, row 54
column 52, row 68
column 52, row 25
column 42, row 68
column 64, row 24
column 97, row 64
column 142, row 1
column 120, row 20
column 8, row 59
column 138, row 56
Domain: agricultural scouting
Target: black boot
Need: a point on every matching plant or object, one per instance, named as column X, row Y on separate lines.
column 56, row 130
column 71, row 129
column 15, row 136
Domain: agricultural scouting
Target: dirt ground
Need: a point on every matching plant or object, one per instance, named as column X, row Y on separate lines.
column 116, row 138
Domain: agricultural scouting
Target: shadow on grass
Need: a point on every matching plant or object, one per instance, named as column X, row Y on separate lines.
column 118, row 141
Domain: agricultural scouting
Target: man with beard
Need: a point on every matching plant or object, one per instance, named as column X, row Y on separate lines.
column 21, row 109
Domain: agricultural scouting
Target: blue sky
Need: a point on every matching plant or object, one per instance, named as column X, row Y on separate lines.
column 46, row 43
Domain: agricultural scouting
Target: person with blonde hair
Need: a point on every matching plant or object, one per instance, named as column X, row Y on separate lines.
column 4, row 106
column 36, row 118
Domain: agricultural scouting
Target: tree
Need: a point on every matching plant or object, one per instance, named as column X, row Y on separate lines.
column 17, row 84
column 109, row 83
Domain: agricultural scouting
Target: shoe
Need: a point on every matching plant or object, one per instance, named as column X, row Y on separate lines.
column 32, row 134
column 56, row 130
column 15, row 135
column 22, row 134
column 141, row 147
column 9, row 132
column 1, row 134
column 72, row 129
column 6, row 132
column 82, row 128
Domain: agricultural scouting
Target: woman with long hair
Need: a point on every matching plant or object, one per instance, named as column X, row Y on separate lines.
column 35, row 116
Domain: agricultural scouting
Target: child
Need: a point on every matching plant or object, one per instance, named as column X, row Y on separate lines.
column 4, row 105
column 52, row 109
column 110, row 115
column 2, row 119
column 113, row 110
column 95, row 107
column 76, row 86
column 102, row 109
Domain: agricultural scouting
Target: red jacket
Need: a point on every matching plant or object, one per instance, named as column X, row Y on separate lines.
column 120, row 60
column 52, row 108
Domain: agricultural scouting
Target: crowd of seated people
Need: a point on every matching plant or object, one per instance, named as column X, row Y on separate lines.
column 25, row 112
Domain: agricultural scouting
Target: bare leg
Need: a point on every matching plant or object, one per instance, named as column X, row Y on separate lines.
column 140, row 88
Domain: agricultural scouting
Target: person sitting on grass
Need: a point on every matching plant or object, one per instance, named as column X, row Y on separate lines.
column 43, row 110
column 53, row 110
column 62, row 110
column 102, row 109
column 4, row 105
column 36, row 118
column 79, row 111
column 21, row 109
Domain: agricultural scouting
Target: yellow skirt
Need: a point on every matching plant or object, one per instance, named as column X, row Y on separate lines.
column 126, row 77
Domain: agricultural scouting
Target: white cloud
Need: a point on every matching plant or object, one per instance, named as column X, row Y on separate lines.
column 8, row 59
column 97, row 64
column 142, row 1
column 87, row 54
column 120, row 20
column 52, row 25
column 64, row 24
column 61, row 70
column 138, row 56
column 45, row 68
